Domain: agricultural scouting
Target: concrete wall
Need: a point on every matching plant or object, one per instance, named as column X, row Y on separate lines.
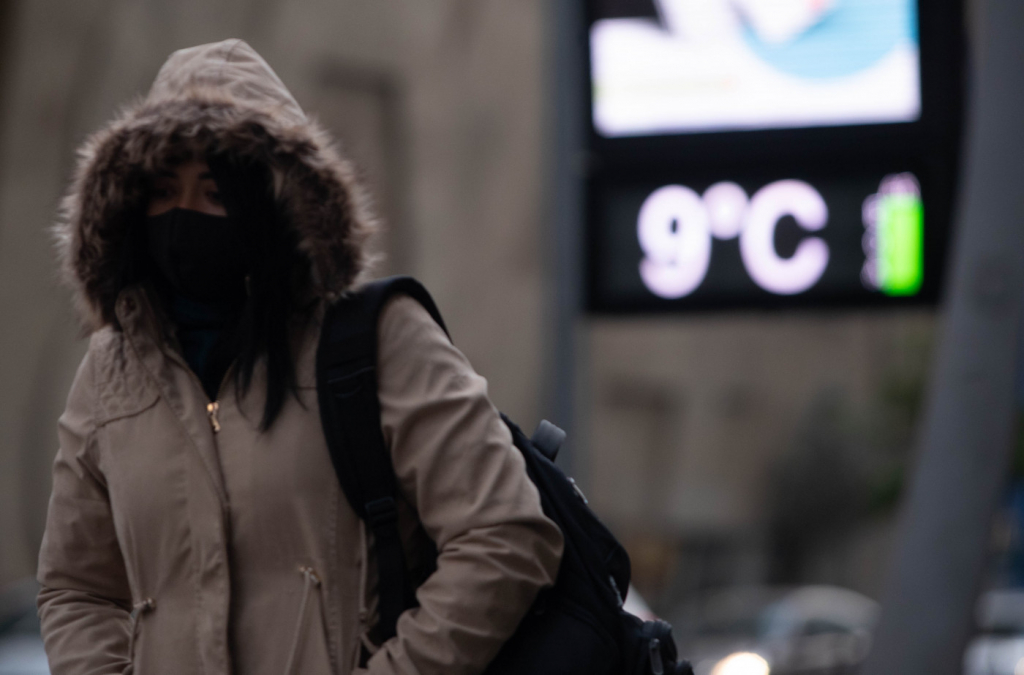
column 688, row 418
column 690, row 414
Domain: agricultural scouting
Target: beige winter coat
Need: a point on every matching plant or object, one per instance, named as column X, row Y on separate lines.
column 180, row 538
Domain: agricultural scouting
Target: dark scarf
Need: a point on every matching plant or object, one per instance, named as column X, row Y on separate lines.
column 206, row 333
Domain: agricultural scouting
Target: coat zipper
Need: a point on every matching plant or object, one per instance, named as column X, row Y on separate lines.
column 213, row 407
column 211, row 410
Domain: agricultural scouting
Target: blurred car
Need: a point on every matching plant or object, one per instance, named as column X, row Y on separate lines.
column 999, row 649
column 778, row 630
column 21, row 647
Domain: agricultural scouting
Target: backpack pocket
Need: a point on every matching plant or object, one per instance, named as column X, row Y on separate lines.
column 559, row 638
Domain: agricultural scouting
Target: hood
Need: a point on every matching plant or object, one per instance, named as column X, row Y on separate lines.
column 221, row 96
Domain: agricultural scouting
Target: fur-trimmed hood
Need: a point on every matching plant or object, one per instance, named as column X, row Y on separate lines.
column 221, row 96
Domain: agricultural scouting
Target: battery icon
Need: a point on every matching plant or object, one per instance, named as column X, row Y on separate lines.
column 894, row 237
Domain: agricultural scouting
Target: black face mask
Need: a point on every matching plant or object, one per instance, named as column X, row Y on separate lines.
column 198, row 255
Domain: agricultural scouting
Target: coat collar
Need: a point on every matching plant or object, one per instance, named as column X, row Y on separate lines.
column 149, row 337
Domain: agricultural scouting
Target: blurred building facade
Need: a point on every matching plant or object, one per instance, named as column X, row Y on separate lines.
column 684, row 425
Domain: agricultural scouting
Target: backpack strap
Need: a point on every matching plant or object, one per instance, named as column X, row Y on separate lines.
column 346, row 382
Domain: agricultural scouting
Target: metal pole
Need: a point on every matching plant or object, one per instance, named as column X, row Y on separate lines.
column 565, row 95
column 927, row 615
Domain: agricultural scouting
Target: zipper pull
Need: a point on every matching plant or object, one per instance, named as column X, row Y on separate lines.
column 310, row 574
column 618, row 594
column 578, row 491
column 211, row 410
column 140, row 608
column 657, row 665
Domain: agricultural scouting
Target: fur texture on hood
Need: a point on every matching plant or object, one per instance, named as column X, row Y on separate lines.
column 215, row 97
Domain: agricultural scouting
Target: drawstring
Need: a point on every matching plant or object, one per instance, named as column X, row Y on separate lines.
column 311, row 581
column 138, row 609
column 142, row 607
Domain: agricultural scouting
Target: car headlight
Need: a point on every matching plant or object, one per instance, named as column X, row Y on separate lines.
column 741, row 663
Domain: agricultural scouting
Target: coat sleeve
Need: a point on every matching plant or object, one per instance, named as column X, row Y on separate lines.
column 456, row 464
column 85, row 599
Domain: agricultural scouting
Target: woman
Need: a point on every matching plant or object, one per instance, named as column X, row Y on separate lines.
column 196, row 524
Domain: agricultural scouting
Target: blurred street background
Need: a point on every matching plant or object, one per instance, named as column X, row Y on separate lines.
column 752, row 458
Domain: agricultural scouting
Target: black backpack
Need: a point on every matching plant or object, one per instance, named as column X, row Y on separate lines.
column 577, row 626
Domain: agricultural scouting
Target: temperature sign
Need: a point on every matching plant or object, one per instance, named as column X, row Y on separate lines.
column 783, row 238
column 676, row 225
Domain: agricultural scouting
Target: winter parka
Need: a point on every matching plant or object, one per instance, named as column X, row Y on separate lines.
column 183, row 539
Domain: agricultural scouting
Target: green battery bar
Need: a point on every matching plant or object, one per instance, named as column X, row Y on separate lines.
column 900, row 242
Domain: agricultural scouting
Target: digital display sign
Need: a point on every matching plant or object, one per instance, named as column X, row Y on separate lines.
column 776, row 241
column 769, row 153
column 713, row 65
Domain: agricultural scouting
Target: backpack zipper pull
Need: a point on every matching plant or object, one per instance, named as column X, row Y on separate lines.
column 211, row 410
column 578, row 491
column 618, row 593
column 657, row 665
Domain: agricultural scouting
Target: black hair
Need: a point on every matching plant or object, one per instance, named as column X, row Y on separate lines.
column 277, row 284
column 278, row 278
